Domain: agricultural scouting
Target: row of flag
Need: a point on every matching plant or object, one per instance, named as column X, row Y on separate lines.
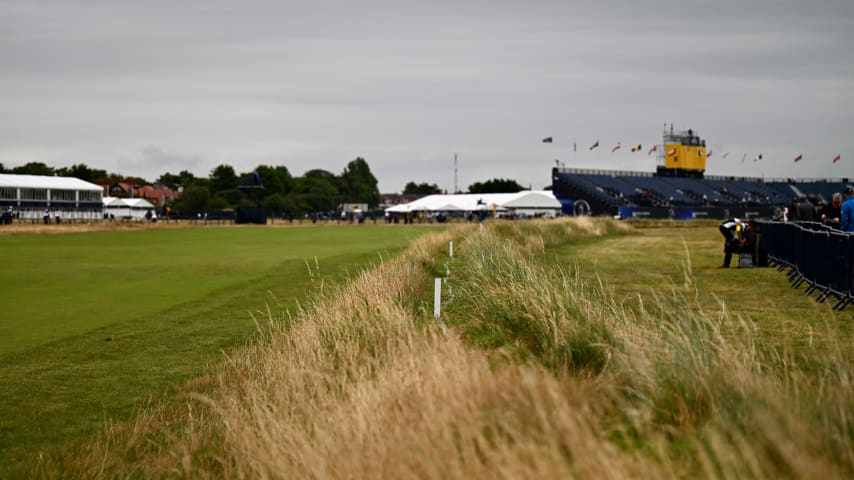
column 672, row 151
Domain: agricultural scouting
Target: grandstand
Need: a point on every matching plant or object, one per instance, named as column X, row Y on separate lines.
column 31, row 196
column 680, row 189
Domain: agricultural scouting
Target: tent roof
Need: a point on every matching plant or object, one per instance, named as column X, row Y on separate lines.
column 478, row 201
column 43, row 181
column 533, row 199
column 137, row 203
column 127, row 202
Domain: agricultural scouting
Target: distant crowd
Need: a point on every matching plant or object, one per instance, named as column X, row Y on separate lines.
column 838, row 214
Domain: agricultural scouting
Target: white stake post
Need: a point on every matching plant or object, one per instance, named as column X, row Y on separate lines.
column 451, row 249
column 437, row 298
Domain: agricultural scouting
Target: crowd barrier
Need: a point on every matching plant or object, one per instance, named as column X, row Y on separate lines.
column 814, row 254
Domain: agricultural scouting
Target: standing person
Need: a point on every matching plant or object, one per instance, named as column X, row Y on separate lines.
column 792, row 211
column 846, row 216
column 806, row 210
column 830, row 214
column 731, row 230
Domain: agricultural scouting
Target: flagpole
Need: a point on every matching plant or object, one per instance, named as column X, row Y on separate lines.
column 455, row 173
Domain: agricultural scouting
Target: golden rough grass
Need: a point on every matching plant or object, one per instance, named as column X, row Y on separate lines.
column 358, row 391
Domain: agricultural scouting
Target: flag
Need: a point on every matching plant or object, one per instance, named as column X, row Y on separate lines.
column 671, row 152
column 616, row 147
column 726, row 155
column 574, row 149
column 547, row 140
column 837, row 158
column 595, row 145
column 708, row 154
column 638, row 148
column 653, row 149
column 799, row 158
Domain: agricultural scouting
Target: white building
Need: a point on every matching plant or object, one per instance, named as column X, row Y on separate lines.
column 33, row 196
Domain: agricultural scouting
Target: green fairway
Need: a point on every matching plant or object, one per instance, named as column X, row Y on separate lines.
column 55, row 286
column 94, row 324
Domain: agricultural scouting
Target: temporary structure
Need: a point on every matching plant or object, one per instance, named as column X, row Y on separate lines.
column 33, row 196
column 527, row 202
column 127, row 208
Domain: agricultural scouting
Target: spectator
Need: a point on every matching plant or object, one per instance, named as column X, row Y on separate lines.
column 830, row 214
column 846, row 217
column 792, row 211
column 805, row 211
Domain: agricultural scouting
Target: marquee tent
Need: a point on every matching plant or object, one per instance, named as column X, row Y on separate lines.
column 527, row 202
column 127, row 208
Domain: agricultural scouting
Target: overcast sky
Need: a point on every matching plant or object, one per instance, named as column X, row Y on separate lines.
column 148, row 86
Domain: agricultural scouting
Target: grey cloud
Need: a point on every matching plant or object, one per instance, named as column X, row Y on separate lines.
column 154, row 161
column 405, row 84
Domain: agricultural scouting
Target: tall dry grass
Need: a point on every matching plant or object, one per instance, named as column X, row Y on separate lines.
column 667, row 373
column 569, row 383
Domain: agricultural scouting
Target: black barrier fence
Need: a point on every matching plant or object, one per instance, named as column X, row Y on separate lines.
column 814, row 254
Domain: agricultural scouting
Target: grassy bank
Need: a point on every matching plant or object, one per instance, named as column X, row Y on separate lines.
column 547, row 369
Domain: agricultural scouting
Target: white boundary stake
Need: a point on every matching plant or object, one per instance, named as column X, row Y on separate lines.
column 437, row 304
column 451, row 249
column 437, row 298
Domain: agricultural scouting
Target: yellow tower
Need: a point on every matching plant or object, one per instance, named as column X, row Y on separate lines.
column 684, row 154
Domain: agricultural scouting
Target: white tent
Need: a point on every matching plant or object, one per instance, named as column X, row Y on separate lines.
column 531, row 203
column 528, row 202
column 127, row 208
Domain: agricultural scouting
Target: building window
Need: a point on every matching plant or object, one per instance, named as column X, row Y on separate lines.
column 8, row 193
column 62, row 195
column 90, row 196
column 34, row 194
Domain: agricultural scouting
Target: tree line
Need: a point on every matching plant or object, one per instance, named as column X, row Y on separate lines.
column 317, row 190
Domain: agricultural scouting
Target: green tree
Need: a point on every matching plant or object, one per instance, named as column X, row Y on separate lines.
column 360, row 184
column 222, row 178
column 218, row 203
column 33, row 168
column 275, row 203
column 275, row 179
column 412, row 188
column 232, row 197
column 83, row 172
column 183, row 179
column 496, row 185
column 194, row 199
column 317, row 190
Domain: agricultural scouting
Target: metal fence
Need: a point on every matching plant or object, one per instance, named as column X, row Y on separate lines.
column 812, row 254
